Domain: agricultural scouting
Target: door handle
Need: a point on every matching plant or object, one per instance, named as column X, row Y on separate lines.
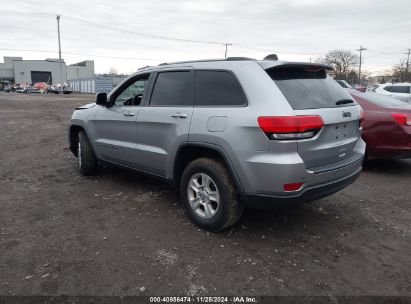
column 128, row 114
column 179, row 115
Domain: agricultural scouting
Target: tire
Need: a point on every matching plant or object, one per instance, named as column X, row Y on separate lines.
column 87, row 161
column 201, row 206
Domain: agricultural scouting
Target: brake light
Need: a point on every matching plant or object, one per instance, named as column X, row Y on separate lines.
column 290, row 127
column 402, row 119
column 313, row 69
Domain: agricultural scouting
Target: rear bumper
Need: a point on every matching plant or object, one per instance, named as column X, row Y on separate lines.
column 255, row 200
column 389, row 152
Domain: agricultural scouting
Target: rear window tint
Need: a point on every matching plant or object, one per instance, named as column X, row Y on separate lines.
column 308, row 87
column 218, row 88
column 171, row 89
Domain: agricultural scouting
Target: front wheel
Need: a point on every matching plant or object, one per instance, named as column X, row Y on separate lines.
column 209, row 195
column 87, row 161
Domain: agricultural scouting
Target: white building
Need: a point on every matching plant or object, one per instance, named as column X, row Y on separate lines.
column 17, row 70
column 82, row 69
column 7, row 68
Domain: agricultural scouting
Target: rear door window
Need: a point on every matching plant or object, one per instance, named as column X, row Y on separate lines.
column 218, row 88
column 309, row 87
column 400, row 89
column 172, row 89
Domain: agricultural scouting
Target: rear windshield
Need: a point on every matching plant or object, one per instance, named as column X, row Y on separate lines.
column 309, row 87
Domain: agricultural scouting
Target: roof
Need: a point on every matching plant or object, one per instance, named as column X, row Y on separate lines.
column 265, row 63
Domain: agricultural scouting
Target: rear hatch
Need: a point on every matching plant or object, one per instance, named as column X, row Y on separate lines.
column 311, row 92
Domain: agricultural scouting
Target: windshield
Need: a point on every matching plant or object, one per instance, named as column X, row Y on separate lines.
column 309, row 87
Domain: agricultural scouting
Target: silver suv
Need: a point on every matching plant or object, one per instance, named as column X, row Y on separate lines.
column 227, row 133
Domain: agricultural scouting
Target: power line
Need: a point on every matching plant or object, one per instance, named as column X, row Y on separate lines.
column 177, row 39
column 142, row 34
column 276, row 51
column 79, row 53
column 162, row 37
column 385, row 52
column 27, row 13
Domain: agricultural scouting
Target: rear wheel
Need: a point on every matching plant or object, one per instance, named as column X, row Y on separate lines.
column 209, row 195
column 87, row 161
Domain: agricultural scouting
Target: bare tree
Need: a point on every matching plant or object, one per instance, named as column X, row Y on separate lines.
column 398, row 70
column 343, row 62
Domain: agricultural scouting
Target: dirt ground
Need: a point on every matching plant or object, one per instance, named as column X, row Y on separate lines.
column 120, row 233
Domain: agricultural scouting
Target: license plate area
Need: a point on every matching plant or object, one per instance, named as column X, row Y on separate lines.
column 341, row 131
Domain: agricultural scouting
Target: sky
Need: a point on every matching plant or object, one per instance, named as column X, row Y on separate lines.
column 125, row 35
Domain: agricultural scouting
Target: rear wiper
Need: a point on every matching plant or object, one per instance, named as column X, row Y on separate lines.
column 344, row 101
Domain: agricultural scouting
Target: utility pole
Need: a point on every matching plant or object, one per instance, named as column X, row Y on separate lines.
column 61, row 71
column 226, row 46
column 359, row 71
column 408, row 63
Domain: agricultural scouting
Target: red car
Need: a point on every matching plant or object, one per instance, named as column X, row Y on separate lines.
column 386, row 125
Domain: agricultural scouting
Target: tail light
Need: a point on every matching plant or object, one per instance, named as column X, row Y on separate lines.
column 290, row 127
column 402, row 119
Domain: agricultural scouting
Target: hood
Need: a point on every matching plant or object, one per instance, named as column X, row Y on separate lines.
column 87, row 106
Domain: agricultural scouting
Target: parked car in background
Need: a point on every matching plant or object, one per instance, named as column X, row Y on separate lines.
column 346, row 85
column 22, row 89
column 401, row 91
column 53, row 90
column 67, row 89
column 39, row 87
column 227, row 133
column 372, row 87
column 360, row 88
column 56, row 89
column 386, row 125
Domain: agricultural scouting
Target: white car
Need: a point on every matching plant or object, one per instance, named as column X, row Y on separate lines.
column 401, row 91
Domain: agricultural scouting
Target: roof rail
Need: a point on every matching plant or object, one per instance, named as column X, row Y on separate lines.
column 190, row 61
column 209, row 60
column 238, row 58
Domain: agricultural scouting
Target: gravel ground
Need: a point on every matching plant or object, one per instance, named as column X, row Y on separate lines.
column 120, row 233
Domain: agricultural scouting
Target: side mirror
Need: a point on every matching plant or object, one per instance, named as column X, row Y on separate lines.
column 101, row 99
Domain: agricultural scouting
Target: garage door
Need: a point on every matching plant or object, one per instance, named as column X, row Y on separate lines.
column 41, row 77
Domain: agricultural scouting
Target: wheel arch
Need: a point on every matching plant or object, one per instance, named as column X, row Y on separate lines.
column 191, row 151
column 74, row 130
